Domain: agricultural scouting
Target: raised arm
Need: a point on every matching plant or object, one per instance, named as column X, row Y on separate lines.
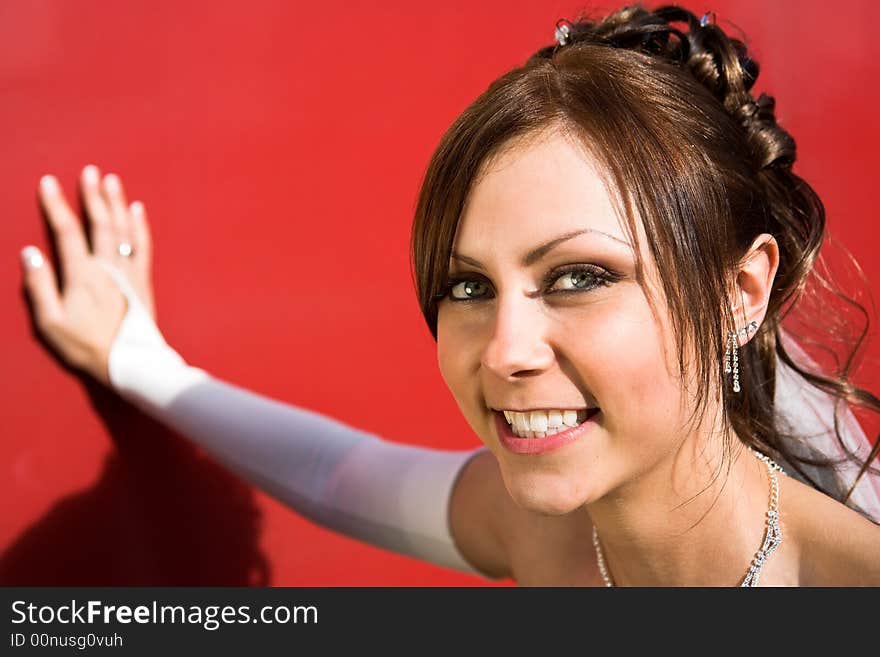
column 390, row 495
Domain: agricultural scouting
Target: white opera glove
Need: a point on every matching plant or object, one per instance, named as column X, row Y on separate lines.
column 390, row 495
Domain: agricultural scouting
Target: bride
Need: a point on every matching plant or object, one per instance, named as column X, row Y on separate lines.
column 606, row 244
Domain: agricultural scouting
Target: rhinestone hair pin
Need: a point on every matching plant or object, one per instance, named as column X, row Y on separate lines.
column 705, row 20
column 563, row 31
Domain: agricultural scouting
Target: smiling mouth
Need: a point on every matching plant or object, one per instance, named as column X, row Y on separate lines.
column 535, row 443
column 544, row 423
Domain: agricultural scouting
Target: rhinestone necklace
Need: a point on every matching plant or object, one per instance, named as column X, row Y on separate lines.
column 772, row 537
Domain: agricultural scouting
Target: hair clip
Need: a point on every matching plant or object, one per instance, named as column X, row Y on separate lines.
column 705, row 19
column 563, row 31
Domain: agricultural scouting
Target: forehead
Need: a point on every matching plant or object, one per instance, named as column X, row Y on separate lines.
column 537, row 187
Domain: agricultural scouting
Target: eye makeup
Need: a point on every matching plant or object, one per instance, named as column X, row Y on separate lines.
column 595, row 276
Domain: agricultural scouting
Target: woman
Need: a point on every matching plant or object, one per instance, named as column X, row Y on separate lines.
column 605, row 245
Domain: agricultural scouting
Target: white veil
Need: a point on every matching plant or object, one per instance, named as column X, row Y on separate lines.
column 809, row 413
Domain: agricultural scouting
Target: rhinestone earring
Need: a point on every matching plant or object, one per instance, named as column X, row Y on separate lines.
column 733, row 348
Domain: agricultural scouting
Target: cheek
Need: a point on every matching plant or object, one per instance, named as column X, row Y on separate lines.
column 457, row 347
column 624, row 360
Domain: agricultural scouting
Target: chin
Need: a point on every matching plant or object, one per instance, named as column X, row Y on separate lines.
column 548, row 495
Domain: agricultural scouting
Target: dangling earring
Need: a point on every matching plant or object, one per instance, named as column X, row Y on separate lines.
column 733, row 347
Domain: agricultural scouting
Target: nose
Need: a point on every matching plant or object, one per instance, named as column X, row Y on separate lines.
column 517, row 347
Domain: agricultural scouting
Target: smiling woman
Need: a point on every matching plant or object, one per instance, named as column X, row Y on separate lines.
column 605, row 247
column 639, row 128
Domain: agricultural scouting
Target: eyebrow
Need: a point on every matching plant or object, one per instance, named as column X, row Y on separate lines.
column 537, row 253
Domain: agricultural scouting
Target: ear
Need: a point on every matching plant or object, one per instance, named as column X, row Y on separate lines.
column 754, row 282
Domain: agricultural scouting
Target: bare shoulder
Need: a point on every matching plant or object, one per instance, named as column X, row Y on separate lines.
column 477, row 515
column 837, row 545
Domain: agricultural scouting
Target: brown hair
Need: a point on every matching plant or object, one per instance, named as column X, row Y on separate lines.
column 703, row 165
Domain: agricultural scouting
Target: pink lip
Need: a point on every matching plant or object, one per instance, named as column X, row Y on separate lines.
column 535, row 446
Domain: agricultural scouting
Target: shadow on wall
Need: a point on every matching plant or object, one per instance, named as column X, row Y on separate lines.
column 161, row 514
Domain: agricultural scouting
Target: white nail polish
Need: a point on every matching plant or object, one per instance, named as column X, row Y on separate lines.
column 111, row 182
column 49, row 184
column 90, row 174
column 137, row 209
column 31, row 257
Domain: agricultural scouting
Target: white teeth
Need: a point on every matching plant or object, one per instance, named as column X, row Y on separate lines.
column 538, row 421
column 540, row 424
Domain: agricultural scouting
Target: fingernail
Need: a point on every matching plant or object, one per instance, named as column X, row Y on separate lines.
column 49, row 184
column 137, row 209
column 31, row 257
column 90, row 174
column 111, row 182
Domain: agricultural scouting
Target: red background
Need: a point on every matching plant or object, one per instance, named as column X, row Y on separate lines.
column 278, row 148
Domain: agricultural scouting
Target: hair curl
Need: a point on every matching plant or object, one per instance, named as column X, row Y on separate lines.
column 664, row 102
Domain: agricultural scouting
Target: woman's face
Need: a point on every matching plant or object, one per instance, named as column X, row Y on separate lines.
column 567, row 330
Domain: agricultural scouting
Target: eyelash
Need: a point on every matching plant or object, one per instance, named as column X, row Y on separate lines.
column 601, row 277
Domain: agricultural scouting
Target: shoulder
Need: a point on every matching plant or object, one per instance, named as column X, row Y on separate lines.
column 837, row 546
column 477, row 511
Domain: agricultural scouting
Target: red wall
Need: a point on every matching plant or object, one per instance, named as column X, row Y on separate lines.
column 278, row 147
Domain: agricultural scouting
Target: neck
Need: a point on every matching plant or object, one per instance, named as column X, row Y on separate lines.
column 651, row 535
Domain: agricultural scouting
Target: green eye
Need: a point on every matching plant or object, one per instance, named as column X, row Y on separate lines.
column 578, row 279
column 468, row 290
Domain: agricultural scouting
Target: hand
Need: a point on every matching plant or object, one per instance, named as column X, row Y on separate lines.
column 81, row 321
